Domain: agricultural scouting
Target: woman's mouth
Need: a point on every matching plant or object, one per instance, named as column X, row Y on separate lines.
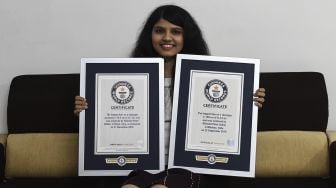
column 167, row 46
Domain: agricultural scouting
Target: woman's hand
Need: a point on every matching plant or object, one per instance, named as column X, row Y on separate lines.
column 259, row 97
column 80, row 105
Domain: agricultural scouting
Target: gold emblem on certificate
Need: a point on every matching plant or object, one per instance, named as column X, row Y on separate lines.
column 212, row 159
column 121, row 160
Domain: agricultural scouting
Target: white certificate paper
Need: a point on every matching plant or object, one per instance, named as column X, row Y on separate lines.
column 122, row 116
column 214, row 112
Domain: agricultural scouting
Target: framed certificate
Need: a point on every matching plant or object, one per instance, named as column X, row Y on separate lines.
column 214, row 119
column 122, row 129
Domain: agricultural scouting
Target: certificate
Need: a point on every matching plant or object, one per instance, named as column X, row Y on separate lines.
column 122, row 129
column 119, row 113
column 214, row 117
column 214, row 111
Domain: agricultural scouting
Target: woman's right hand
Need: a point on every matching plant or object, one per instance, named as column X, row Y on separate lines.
column 80, row 105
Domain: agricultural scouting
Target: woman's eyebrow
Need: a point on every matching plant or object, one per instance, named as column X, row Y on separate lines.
column 178, row 28
column 159, row 26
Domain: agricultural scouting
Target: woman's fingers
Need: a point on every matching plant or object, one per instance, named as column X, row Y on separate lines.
column 259, row 105
column 260, row 92
column 80, row 104
column 259, row 100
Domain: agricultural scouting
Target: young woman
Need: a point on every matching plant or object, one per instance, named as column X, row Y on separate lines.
column 169, row 30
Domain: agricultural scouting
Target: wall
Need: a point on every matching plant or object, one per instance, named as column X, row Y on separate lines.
column 39, row 36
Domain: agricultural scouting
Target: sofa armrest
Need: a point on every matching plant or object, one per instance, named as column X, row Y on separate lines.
column 332, row 153
column 3, row 139
column 331, row 136
column 2, row 162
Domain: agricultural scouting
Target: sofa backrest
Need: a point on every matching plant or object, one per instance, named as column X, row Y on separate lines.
column 294, row 101
column 42, row 103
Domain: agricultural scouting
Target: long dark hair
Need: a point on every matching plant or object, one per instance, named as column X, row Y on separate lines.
column 192, row 35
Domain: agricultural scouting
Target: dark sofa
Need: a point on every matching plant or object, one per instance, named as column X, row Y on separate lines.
column 293, row 147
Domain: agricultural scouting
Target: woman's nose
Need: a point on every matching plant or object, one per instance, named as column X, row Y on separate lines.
column 167, row 37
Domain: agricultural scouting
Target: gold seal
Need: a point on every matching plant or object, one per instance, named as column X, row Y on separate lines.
column 121, row 160
column 211, row 159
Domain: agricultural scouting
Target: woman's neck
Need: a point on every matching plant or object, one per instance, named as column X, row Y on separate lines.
column 169, row 66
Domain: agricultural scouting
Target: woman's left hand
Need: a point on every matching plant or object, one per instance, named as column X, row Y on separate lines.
column 259, row 97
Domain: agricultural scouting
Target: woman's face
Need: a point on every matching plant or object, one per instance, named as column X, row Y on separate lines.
column 167, row 38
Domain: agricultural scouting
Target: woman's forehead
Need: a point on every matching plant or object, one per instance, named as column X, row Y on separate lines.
column 165, row 23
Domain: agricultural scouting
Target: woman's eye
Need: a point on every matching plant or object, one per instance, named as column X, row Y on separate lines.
column 177, row 31
column 158, row 30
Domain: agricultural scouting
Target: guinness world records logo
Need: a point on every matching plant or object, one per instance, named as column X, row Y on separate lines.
column 122, row 92
column 211, row 159
column 121, row 160
column 215, row 91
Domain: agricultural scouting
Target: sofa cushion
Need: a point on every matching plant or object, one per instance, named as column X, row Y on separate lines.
column 294, row 101
column 292, row 154
column 42, row 103
column 42, row 155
